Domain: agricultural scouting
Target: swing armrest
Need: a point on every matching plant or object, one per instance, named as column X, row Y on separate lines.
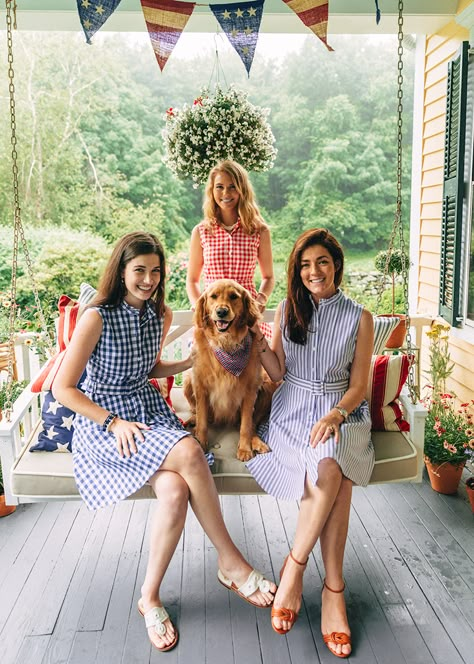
column 15, row 434
column 415, row 415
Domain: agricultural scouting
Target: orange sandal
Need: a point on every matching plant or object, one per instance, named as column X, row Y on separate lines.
column 281, row 613
column 337, row 638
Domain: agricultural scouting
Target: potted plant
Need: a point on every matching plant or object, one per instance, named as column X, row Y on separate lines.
column 17, row 388
column 393, row 268
column 5, row 510
column 449, row 428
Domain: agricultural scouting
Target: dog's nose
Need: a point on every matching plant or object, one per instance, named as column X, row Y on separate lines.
column 222, row 312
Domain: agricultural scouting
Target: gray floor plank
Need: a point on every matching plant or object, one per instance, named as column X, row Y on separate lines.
column 32, row 650
column 97, row 600
column 84, row 648
column 120, row 605
column 14, row 531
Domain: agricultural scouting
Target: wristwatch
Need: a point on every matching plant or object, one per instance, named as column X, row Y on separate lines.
column 342, row 411
column 108, row 421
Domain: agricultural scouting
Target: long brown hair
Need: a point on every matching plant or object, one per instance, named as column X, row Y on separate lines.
column 249, row 214
column 299, row 306
column 112, row 290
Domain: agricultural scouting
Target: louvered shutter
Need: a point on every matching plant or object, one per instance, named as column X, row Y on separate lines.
column 453, row 188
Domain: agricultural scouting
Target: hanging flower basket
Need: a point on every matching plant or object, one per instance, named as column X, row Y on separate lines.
column 219, row 125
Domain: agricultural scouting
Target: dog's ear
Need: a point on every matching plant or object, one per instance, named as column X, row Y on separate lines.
column 200, row 311
column 251, row 308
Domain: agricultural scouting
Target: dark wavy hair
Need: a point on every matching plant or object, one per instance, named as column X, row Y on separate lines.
column 299, row 307
column 112, row 290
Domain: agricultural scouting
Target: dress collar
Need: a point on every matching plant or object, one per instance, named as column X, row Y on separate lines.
column 326, row 301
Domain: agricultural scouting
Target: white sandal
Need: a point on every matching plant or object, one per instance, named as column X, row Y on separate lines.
column 255, row 581
column 156, row 617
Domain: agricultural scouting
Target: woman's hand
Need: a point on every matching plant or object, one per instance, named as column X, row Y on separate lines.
column 324, row 428
column 126, row 433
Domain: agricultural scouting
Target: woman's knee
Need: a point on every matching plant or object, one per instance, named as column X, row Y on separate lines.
column 171, row 489
column 188, row 454
column 329, row 469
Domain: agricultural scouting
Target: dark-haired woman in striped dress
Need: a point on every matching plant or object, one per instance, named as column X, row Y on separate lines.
column 319, row 427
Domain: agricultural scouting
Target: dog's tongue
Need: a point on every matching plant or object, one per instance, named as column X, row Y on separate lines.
column 222, row 325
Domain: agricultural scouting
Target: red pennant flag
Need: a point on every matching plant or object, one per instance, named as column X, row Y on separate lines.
column 314, row 14
column 165, row 20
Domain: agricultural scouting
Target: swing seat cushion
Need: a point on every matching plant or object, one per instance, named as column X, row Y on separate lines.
column 46, row 475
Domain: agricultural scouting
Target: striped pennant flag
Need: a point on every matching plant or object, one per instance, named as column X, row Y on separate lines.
column 165, row 21
column 314, row 14
column 94, row 13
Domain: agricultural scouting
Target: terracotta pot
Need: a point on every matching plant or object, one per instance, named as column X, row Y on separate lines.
column 470, row 495
column 444, row 477
column 397, row 338
column 5, row 510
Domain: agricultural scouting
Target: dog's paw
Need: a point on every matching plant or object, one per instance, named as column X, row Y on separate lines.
column 190, row 423
column 244, row 454
column 259, row 446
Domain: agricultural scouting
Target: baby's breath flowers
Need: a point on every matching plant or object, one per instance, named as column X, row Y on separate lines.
column 218, row 125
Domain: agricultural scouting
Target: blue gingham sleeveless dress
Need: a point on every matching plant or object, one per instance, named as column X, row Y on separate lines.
column 117, row 379
column 317, row 376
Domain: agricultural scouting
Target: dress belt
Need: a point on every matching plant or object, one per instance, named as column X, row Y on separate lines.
column 317, row 386
column 97, row 387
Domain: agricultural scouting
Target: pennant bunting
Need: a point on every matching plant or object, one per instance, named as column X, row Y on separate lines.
column 314, row 14
column 165, row 21
column 94, row 13
column 377, row 12
column 241, row 22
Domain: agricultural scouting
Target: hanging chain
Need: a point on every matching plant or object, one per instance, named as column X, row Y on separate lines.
column 18, row 233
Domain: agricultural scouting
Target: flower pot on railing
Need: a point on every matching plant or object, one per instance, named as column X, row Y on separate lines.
column 397, row 338
column 444, row 477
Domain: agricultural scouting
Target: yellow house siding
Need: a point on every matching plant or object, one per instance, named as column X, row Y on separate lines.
column 439, row 50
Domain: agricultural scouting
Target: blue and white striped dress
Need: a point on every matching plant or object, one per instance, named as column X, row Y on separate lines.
column 317, row 376
column 117, row 379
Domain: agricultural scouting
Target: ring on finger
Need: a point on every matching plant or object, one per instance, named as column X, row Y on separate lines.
column 331, row 429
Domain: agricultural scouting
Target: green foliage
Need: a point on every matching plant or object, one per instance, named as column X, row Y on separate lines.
column 395, row 262
column 176, row 267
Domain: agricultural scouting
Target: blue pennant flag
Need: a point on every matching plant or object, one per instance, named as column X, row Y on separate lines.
column 94, row 13
column 241, row 23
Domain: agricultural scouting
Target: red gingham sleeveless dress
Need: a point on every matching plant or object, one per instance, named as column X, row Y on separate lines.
column 231, row 255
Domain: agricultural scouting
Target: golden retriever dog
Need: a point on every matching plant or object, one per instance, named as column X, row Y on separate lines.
column 226, row 384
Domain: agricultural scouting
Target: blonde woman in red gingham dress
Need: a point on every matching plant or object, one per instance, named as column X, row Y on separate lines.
column 232, row 239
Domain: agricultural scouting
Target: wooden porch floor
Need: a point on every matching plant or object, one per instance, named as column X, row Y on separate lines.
column 70, row 580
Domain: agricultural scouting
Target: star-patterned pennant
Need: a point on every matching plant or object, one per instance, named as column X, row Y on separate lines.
column 377, row 12
column 241, row 23
column 94, row 13
column 165, row 21
column 314, row 14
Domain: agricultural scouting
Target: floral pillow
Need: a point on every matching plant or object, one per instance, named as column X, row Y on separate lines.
column 387, row 376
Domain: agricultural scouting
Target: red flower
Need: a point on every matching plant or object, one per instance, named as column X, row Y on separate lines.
column 170, row 112
column 198, row 101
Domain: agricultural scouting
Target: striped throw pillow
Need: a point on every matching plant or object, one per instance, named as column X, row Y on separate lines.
column 383, row 328
column 387, row 376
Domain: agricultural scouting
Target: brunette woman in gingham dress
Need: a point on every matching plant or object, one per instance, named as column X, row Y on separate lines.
column 232, row 238
column 126, row 435
column 319, row 427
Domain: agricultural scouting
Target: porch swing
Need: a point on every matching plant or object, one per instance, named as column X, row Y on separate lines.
column 46, row 476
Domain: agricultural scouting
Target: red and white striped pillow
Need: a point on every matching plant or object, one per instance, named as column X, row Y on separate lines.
column 387, row 376
column 69, row 313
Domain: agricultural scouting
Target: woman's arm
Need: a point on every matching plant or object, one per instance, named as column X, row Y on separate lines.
column 164, row 368
column 84, row 340
column 273, row 359
column 265, row 261
column 195, row 265
column 358, row 380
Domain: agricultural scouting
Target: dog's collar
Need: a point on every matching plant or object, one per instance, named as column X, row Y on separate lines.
column 235, row 361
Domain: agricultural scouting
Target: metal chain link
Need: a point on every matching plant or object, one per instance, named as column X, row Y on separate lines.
column 18, row 233
column 397, row 229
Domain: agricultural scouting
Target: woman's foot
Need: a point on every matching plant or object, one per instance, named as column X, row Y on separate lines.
column 161, row 631
column 287, row 601
column 334, row 623
column 238, row 573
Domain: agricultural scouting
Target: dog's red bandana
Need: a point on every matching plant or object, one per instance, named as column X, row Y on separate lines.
column 236, row 361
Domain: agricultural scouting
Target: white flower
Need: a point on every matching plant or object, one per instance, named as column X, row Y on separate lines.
column 227, row 125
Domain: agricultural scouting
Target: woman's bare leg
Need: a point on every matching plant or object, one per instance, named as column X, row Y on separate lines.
column 166, row 528
column 187, row 459
column 333, row 543
column 316, row 505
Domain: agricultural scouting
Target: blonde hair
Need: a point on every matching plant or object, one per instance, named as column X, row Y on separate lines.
column 249, row 214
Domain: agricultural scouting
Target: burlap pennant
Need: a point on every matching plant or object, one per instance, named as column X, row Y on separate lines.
column 314, row 14
column 165, row 21
column 94, row 13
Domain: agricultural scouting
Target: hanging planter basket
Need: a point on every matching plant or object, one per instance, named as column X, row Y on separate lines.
column 219, row 125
